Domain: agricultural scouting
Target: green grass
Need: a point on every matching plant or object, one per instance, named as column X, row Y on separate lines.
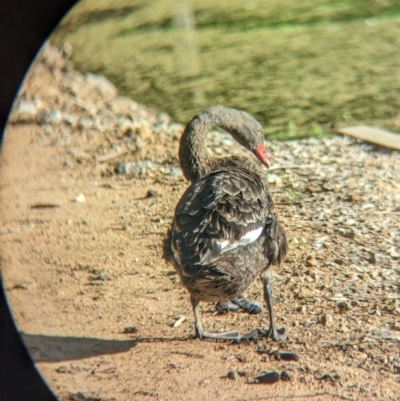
column 299, row 67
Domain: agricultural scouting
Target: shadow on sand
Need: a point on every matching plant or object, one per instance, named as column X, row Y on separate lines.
column 45, row 348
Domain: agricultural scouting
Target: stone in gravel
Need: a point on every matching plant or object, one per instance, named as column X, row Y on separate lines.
column 70, row 119
column 130, row 330
column 268, row 378
column 151, row 193
column 163, row 120
column 394, row 254
column 25, row 111
column 63, row 369
column 285, row 376
column 326, row 320
column 123, row 106
column 67, row 50
column 176, row 128
column 175, row 172
column 327, row 376
column 85, row 123
column 274, row 179
column 80, row 198
column 311, row 261
column 134, row 168
column 301, row 308
column 288, row 356
column 354, row 197
column 233, row 375
column 51, row 117
column 104, row 87
column 343, row 305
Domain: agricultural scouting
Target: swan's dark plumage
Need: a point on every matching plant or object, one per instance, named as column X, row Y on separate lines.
column 225, row 230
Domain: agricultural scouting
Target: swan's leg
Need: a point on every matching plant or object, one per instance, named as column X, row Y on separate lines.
column 227, row 335
column 252, row 308
column 273, row 332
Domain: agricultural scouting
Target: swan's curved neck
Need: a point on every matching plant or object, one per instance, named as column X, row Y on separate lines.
column 193, row 155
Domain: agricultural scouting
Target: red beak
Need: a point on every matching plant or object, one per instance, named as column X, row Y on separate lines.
column 261, row 154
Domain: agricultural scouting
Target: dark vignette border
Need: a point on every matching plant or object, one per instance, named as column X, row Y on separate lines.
column 24, row 26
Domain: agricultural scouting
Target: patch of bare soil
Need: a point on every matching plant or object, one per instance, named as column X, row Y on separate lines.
column 89, row 182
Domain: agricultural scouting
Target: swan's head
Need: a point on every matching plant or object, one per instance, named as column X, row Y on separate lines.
column 246, row 130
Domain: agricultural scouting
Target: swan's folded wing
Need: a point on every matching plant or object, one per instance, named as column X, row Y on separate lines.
column 220, row 212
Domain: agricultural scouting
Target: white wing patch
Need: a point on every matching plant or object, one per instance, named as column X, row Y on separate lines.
column 248, row 238
column 251, row 236
column 224, row 244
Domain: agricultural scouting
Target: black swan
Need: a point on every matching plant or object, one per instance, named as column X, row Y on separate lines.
column 225, row 231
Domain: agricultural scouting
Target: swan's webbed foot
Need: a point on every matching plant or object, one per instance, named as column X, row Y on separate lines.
column 200, row 333
column 225, row 307
column 278, row 334
column 275, row 334
column 253, row 335
column 252, row 308
column 225, row 335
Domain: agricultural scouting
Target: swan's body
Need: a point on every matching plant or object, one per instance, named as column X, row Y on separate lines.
column 225, row 231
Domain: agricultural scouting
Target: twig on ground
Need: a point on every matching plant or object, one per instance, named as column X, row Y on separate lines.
column 189, row 354
column 109, row 156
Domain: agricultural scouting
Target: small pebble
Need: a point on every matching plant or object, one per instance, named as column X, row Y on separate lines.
column 152, row 193
column 103, row 85
column 136, row 168
column 175, row 172
column 80, row 198
column 233, row 375
column 285, row 376
column 130, row 330
column 274, row 179
column 354, row 197
column 301, row 308
column 343, row 305
column 268, row 378
column 288, row 356
column 311, row 261
column 25, row 111
column 326, row 320
column 63, row 369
